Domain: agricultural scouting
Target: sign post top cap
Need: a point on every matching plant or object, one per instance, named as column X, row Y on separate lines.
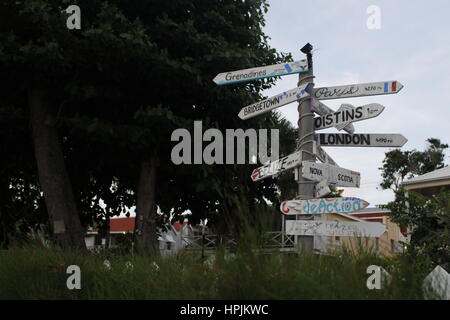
column 307, row 48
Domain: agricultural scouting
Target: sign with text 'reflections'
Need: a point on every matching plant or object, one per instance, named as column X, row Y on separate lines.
column 274, row 102
column 334, row 228
column 324, row 205
column 358, row 90
column 272, row 168
column 387, row 140
column 322, row 155
column 347, row 114
column 323, row 110
column 333, row 174
column 250, row 74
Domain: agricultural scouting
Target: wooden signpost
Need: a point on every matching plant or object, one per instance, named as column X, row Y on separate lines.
column 347, row 114
column 357, row 90
column 291, row 161
column 360, row 140
column 335, row 175
column 322, row 206
column 250, row 74
column 334, row 228
column 274, row 102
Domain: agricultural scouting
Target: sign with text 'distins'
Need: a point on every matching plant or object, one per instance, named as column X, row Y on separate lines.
column 250, row 74
column 334, row 228
column 323, row 110
column 324, row 205
column 274, row 102
column 333, row 174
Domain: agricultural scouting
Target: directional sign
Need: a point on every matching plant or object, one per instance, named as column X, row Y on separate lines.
column 325, row 205
column 322, row 189
column 277, row 101
column 335, row 175
column 261, row 72
column 322, row 110
column 347, row 114
column 291, row 161
column 322, row 155
column 360, row 140
column 357, row 90
column 334, row 228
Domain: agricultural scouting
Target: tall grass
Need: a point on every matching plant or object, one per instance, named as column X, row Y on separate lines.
column 35, row 272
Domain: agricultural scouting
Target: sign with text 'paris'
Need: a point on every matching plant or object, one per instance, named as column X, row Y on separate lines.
column 337, row 176
column 274, row 102
column 250, row 74
column 323, row 110
column 324, row 205
column 358, row 90
column 387, row 140
column 334, row 228
column 347, row 114
column 291, row 161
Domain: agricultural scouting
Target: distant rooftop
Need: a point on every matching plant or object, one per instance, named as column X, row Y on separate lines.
column 439, row 174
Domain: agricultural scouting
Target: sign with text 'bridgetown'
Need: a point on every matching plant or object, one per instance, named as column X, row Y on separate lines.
column 250, row 74
column 337, row 176
column 358, row 90
column 325, row 205
column 347, row 114
column 360, row 140
column 291, row 161
column 334, row 228
column 274, row 102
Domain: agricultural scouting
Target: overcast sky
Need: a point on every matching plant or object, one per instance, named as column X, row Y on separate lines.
column 412, row 46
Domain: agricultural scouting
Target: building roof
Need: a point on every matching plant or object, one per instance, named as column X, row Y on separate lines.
column 436, row 175
column 122, row 224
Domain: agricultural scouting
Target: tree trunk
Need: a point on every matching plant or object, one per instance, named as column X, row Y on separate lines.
column 53, row 176
column 145, row 228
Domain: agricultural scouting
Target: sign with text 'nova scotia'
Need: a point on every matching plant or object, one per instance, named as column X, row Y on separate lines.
column 325, row 205
column 358, row 90
column 347, row 114
column 291, row 161
column 250, row 74
column 360, row 140
column 334, row 228
column 274, row 102
column 337, row 176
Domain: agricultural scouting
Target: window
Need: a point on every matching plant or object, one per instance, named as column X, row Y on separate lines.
column 337, row 239
column 392, row 245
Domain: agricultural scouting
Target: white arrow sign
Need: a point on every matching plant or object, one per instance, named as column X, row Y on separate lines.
column 357, row 90
column 334, row 228
column 360, row 140
column 335, row 175
column 322, row 189
column 324, row 205
column 277, row 101
column 291, row 161
column 322, row 110
column 347, row 114
column 281, row 69
column 322, row 155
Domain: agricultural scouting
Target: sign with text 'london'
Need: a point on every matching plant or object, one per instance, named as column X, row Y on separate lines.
column 250, row 74
column 325, row 205
column 334, row 228
column 360, row 140
column 334, row 175
column 347, row 114
column 277, row 101
column 322, row 110
column 291, row 161
column 358, row 90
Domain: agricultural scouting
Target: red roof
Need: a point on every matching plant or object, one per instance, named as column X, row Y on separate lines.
column 122, row 224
